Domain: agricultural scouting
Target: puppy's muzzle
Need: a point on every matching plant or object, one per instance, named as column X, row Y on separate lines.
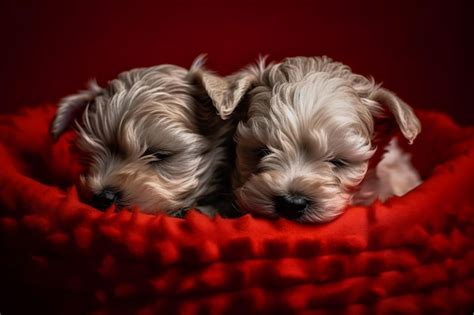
column 106, row 198
column 291, row 207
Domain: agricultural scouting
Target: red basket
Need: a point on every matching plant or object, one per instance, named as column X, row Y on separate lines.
column 410, row 255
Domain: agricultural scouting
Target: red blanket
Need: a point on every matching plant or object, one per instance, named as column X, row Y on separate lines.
column 411, row 255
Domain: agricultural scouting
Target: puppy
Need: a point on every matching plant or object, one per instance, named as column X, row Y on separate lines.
column 152, row 139
column 311, row 136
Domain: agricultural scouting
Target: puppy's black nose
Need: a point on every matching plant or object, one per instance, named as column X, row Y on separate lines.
column 106, row 198
column 291, row 206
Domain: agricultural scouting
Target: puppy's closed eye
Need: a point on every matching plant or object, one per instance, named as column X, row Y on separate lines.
column 157, row 155
column 338, row 163
column 262, row 152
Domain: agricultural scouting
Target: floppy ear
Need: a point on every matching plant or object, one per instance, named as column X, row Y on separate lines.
column 404, row 116
column 225, row 92
column 71, row 107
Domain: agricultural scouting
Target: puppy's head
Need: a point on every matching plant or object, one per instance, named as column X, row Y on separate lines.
column 308, row 137
column 152, row 138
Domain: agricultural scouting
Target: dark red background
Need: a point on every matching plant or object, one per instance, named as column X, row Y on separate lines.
column 420, row 49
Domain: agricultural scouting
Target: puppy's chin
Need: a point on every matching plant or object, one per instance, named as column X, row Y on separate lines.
column 144, row 194
column 152, row 204
column 250, row 200
column 314, row 214
column 323, row 214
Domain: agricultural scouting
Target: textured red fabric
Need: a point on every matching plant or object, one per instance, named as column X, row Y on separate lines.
column 411, row 255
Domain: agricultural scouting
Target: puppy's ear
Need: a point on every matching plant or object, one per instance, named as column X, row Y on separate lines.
column 71, row 107
column 225, row 93
column 404, row 116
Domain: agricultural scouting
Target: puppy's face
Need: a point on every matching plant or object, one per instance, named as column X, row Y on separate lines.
column 152, row 139
column 302, row 156
column 306, row 143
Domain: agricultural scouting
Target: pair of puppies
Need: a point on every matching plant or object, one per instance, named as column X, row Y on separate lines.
column 308, row 136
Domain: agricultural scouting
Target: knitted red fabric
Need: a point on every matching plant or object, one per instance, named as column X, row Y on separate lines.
column 411, row 255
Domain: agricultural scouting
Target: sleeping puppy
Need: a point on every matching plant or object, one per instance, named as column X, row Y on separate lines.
column 152, row 139
column 311, row 136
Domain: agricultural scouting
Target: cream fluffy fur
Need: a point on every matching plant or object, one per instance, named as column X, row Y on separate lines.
column 152, row 136
column 314, row 121
column 307, row 129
